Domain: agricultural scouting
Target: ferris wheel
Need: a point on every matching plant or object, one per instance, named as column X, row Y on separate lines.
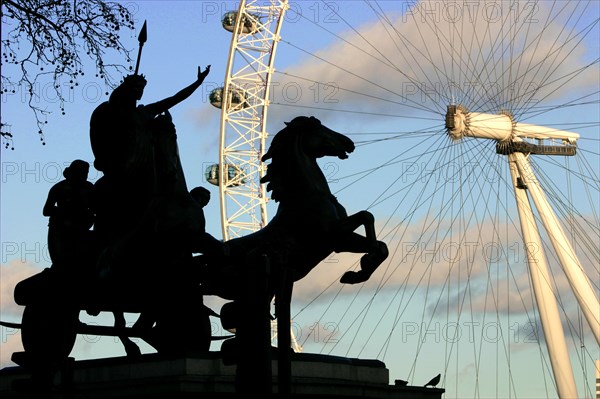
column 477, row 127
column 244, row 102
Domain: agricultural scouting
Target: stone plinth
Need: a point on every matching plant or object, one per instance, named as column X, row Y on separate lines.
column 153, row 376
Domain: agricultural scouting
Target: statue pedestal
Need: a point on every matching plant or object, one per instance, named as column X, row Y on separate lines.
column 153, row 376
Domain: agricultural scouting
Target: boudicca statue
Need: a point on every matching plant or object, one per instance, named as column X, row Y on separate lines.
column 147, row 229
column 163, row 249
column 149, row 236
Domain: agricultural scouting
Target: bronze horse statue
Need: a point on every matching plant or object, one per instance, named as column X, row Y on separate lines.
column 308, row 226
column 157, row 254
column 310, row 223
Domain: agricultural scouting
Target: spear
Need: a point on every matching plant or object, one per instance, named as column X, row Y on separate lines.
column 142, row 39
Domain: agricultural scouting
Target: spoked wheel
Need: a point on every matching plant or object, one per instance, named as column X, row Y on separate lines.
column 182, row 326
column 48, row 334
column 426, row 79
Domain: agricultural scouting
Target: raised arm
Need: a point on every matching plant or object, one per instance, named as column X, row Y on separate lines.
column 164, row 105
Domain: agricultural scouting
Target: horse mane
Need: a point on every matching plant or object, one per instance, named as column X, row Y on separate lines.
column 275, row 175
column 280, row 153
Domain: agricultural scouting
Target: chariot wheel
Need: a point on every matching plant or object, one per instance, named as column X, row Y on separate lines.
column 48, row 333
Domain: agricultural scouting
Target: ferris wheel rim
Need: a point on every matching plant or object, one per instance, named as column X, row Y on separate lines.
column 252, row 201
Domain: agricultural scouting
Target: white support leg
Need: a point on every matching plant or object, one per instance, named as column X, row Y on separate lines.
column 580, row 284
column 544, row 294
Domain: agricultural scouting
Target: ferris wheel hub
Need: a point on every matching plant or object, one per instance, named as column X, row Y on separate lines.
column 502, row 127
column 460, row 122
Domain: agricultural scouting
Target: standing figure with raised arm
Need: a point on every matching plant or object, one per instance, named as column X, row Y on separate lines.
column 122, row 143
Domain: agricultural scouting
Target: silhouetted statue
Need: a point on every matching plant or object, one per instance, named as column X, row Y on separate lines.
column 70, row 208
column 202, row 196
column 147, row 227
column 147, row 221
column 50, row 297
column 204, row 243
column 142, row 193
column 310, row 223
column 308, row 226
column 122, row 139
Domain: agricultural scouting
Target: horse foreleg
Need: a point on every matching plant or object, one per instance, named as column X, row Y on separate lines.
column 352, row 222
column 370, row 261
column 130, row 347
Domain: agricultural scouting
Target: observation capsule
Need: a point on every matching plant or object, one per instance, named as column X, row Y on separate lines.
column 238, row 98
column 234, row 175
column 249, row 21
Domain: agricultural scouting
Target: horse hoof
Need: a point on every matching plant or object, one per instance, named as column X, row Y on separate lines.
column 132, row 350
column 371, row 261
column 354, row 277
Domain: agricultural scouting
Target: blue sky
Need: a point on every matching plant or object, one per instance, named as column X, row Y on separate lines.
column 383, row 79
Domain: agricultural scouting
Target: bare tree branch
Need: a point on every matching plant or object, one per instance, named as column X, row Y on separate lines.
column 48, row 40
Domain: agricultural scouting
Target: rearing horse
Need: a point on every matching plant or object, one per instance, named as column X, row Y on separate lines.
column 310, row 223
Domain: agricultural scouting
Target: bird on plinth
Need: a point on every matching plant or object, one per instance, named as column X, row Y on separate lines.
column 434, row 381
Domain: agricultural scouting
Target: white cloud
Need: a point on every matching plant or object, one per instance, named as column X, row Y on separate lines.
column 10, row 338
column 480, row 269
column 11, row 274
column 497, row 56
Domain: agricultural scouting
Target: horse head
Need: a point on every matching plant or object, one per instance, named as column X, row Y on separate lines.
column 309, row 223
column 316, row 139
column 293, row 154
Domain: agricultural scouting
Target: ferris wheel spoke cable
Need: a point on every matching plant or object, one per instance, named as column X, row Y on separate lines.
column 440, row 215
column 435, row 239
column 496, row 237
column 595, row 223
column 378, row 199
column 413, row 104
column 465, row 215
column 515, row 105
column 353, row 74
column 385, row 22
column 467, row 70
column 412, row 209
column 527, row 94
column 538, row 65
column 438, row 168
column 393, row 136
column 541, row 110
column 570, row 210
column 566, row 211
column 345, row 111
column 478, row 352
column 573, row 75
column 413, row 51
column 394, row 160
column 480, row 67
column 373, row 296
column 454, row 215
column 566, row 77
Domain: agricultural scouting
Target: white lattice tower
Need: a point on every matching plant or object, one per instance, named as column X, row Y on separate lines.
column 245, row 100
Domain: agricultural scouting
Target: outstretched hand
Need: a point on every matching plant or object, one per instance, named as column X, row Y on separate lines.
column 203, row 74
